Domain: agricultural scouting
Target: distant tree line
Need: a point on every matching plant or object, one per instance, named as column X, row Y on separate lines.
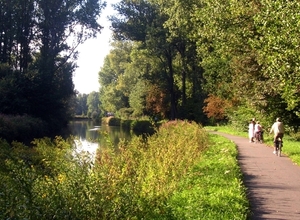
column 36, row 60
column 222, row 60
column 88, row 105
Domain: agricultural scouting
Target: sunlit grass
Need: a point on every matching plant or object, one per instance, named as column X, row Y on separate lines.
column 213, row 189
column 290, row 147
column 181, row 172
column 226, row 129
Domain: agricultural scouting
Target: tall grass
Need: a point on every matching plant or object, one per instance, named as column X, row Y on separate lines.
column 181, row 172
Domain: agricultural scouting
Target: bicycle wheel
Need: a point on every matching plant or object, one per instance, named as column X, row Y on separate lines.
column 279, row 150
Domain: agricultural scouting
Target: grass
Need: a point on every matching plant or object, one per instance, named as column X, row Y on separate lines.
column 181, row 172
column 290, row 146
column 213, row 189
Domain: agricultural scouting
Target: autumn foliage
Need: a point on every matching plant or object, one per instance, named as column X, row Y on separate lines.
column 215, row 107
column 156, row 101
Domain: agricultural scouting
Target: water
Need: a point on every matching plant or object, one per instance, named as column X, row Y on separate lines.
column 91, row 135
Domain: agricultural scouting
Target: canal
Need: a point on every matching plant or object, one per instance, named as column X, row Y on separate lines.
column 90, row 135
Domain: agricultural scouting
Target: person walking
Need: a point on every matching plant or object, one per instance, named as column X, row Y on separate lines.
column 278, row 130
column 251, row 131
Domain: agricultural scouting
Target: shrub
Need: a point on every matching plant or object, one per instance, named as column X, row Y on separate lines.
column 21, row 128
column 142, row 127
column 111, row 121
column 142, row 179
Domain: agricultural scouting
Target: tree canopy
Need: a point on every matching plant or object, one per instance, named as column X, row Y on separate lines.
column 38, row 41
column 242, row 53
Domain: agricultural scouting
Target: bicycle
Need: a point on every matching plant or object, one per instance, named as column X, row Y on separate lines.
column 278, row 146
column 259, row 137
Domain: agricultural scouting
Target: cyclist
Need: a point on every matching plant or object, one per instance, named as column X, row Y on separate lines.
column 278, row 129
column 258, row 132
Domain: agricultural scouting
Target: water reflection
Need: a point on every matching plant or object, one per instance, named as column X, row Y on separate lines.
column 93, row 132
column 84, row 130
column 91, row 135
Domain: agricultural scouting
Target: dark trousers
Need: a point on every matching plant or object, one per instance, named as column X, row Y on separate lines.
column 279, row 135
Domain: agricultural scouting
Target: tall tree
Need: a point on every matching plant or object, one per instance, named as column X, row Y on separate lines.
column 180, row 29
column 33, row 40
column 147, row 21
column 113, row 94
column 81, row 104
column 93, row 104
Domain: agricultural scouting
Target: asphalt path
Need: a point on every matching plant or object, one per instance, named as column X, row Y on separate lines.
column 272, row 182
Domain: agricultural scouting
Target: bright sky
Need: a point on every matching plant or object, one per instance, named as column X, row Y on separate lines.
column 92, row 54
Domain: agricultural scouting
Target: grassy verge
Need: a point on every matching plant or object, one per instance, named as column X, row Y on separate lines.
column 290, row 146
column 181, row 172
column 213, row 189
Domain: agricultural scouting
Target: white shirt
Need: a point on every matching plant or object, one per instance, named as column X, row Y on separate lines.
column 277, row 128
column 257, row 127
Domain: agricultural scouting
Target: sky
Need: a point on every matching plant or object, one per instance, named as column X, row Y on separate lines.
column 92, row 54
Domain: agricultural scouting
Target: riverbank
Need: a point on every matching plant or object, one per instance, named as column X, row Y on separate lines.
column 180, row 172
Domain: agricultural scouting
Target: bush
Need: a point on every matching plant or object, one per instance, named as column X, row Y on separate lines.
column 111, row 121
column 142, row 127
column 126, row 123
column 174, row 174
column 144, row 175
column 125, row 113
column 21, row 128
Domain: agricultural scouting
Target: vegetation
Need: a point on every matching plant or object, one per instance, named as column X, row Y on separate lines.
column 291, row 141
column 181, row 172
column 21, row 128
column 36, row 62
column 199, row 60
column 205, row 61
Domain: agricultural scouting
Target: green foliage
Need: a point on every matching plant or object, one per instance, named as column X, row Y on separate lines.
column 142, row 127
column 93, row 104
column 142, row 179
column 137, row 98
column 240, row 117
column 33, row 36
column 213, row 189
column 277, row 48
column 125, row 113
column 115, row 87
column 21, row 128
column 81, row 104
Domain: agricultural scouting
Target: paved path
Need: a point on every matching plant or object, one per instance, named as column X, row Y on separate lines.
column 273, row 182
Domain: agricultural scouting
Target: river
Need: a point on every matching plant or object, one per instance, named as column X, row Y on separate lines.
column 90, row 135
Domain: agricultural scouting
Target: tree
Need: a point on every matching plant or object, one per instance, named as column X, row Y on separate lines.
column 137, row 98
column 277, row 47
column 93, row 104
column 113, row 94
column 148, row 21
column 33, row 41
column 81, row 104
